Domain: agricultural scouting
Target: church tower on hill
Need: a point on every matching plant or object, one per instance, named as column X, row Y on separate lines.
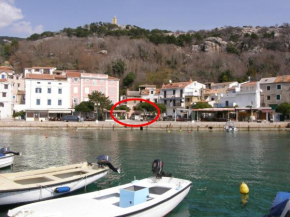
column 115, row 20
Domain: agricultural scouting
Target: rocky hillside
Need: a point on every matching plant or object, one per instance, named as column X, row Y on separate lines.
column 137, row 55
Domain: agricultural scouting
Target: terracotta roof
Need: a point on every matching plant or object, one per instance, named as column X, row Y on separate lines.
column 3, row 80
column 157, row 91
column 113, row 78
column 213, row 91
column 6, row 68
column 249, row 84
column 42, row 67
column 73, row 74
column 40, row 76
column 144, row 92
column 176, row 85
column 133, row 93
column 282, row 79
column 60, row 76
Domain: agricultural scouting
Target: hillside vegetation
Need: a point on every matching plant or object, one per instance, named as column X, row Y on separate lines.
column 137, row 55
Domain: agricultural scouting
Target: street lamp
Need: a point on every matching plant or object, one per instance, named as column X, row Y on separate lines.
column 97, row 104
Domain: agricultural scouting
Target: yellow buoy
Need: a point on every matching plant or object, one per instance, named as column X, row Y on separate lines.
column 244, row 189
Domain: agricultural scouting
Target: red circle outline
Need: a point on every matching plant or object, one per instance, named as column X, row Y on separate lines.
column 134, row 125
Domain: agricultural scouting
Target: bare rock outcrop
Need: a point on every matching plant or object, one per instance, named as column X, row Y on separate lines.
column 214, row 45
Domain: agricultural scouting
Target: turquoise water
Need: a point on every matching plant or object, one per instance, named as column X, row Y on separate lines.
column 215, row 162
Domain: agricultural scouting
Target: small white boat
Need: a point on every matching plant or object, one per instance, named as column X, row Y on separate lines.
column 7, row 157
column 155, row 196
column 280, row 206
column 230, row 127
column 30, row 186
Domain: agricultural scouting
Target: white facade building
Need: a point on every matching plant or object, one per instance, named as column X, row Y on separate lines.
column 180, row 95
column 47, row 95
column 5, row 99
column 244, row 95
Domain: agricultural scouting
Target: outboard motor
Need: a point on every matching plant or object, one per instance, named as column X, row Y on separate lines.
column 157, row 169
column 6, row 150
column 105, row 160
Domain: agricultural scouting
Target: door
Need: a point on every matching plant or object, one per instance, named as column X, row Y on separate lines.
column 36, row 116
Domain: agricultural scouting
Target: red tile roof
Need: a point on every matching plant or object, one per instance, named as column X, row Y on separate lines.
column 113, row 78
column 176, row 85
column 3, row 80
column 40, row 76
column 60, row 76
column 157, row 91
column 42, row 67
column 282, row 79
column 73, row 74
column 6, row 68
column 250, row 83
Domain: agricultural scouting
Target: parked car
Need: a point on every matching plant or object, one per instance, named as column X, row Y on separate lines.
column 70, row 118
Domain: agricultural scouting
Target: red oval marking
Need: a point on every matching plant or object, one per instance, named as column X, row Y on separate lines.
column 135, row 125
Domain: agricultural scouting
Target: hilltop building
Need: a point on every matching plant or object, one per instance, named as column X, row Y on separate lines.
column 115, row 20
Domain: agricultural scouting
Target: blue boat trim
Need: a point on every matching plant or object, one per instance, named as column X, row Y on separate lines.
column 149, row 207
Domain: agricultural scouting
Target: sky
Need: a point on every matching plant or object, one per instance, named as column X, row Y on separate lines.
column 22, row 18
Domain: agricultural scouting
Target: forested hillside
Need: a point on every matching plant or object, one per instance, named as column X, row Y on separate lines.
column 137, row 55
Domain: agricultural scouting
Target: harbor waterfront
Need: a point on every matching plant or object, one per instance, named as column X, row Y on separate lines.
column 159, row 125
column 215, row 161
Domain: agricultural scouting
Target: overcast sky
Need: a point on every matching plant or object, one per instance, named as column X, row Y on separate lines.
column 22, row 18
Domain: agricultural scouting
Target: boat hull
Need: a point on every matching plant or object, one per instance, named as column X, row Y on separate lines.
column 44, row 192
column 6, row 160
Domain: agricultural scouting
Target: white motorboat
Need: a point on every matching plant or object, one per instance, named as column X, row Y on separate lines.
column 155, row 196
column 280, row 206
column 230, row 127
column 30, row 186
column 7, row 157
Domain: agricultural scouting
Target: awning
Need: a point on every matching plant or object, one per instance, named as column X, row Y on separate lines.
column 66, row 111
column 266, row 110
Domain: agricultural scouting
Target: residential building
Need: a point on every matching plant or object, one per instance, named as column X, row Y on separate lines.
column 244, row 95
column 6, row 110
column 149, row 92
column 180, row 95
column 82, row 84
column 47, row 94
column 276, row 90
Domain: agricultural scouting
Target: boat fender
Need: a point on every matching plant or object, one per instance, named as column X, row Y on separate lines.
column 62, row 189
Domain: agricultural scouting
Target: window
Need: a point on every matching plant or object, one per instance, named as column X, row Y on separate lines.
column 49, row 82
column 181, row 93
column 59, row 102
column 278, row 97
column 49, row 102
column 48, row 90
column 37, row 70
column 227, row 103
column 5, row 86
column 76, row 90
column 76, row 79
column 86, row 99
column 279, row 87
column 94, row 81
column 173, row 92
column 152, row 91
column 38, row 90
column 76, row 101
column 268, row 88
column 59, row 91
column 4, row 94
column 59, row 83
column 18, row 85
column 165, row 102
column 112, row 82
column 29, row 114
column 14, row 97
column 113, row 101
column 1, row 104
column 87, row 80
column 164, row 95
column 37, row 101
column 268, row 97
column 212, row 99
column 3, row 76
column 38, row 82
column 102, row 81
column 112, row 91
column 87, row 90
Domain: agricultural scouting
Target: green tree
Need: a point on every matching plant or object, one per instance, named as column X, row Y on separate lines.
column 119, row 67
column 201, row 105
column 122, row 107
column 283, row 108
column 147, row 109
column 161, row 107
column 226, row 76
column 84, row 107
column 129, row 79
column 100, row 101
column 34, row 37
column 231, row 49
